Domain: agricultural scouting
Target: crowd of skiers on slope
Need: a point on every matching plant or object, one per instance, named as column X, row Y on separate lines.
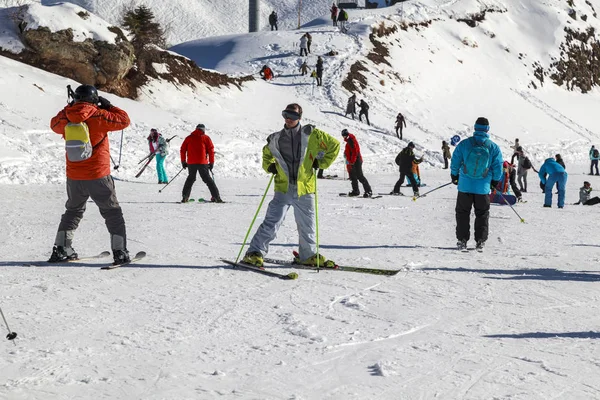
column 293, row 155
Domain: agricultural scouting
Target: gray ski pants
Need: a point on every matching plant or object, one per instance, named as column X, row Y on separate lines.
column 102, row 191
column 304, row 213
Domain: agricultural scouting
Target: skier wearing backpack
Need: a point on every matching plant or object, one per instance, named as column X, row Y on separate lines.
column 550, row 173
column 354, row 159
column 293, row 154
column 88, row 173
column 405, row 160
column 476, row 167
column 342, row 19
column 594, row 157
column 198, row 156
column 158, row 145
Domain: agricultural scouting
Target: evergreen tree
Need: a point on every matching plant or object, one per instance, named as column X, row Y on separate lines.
column 140, row 22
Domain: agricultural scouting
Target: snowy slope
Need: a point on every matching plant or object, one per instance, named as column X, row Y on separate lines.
column 519, row 321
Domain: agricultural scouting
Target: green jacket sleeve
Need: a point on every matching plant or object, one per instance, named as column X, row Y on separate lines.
column 328, row 145
column 268, row 158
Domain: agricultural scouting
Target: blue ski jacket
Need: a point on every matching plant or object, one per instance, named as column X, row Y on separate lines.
column 549, row 167
column 467, row 184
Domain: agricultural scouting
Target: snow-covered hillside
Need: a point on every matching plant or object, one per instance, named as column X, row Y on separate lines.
column 519, row 321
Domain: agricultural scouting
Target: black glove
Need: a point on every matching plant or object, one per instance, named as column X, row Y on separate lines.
column 104, row 103
column 454, row 179
column 183, row 164
column 316, row 164
column 543, row 186
column 493, row 185
column 272, row 168
column 210, row 166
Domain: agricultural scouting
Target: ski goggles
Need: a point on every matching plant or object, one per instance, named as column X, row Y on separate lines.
column 290, row 114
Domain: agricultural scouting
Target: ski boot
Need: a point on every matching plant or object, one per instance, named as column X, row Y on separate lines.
column 312, row 261
column 254, row 258
column 353, row 194
column 120, row 257
column 367, row 195
column 479, row 246
column 60, row 254
column 185, row 199
column 461, row 245
column 216, row 200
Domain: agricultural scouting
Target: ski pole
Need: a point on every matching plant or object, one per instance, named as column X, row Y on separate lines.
column 168, row 183
column 254, row 219
column 432, row 190
column 506, row 201
column 11, row 335
column 120, row 151
column 317, row 223
column 115, row 166
column 213, row 176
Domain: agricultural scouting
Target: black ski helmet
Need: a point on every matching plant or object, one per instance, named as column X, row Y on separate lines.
column 86, row 93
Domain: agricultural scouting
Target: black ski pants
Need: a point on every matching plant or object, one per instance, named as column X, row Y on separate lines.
column 366, row 114
column 356, row 175
column 445, row 162
column 411, row 180
column 593, row 164
column 204, row 172
column 399, row 128
column 464, row 203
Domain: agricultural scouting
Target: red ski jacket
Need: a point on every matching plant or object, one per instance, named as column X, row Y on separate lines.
column 352, row 150
column 197, row 148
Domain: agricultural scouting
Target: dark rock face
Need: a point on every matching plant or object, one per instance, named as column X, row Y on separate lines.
column 89, row 62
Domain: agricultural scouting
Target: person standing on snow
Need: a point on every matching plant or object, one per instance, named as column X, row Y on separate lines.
column 88, row 175
column 292, row 155
column 594, row 157
column 303, row 45
column 308, row 41
column 476, row 167
column 446, row 153
column 354, row 160
column 364, row 110
column 334, row 14
column 342, row 19
column 273, row 20
column 550, row 173
column 319, row 71
column 198, row 156
column 351, row 106
column 158, row 145
column 405, row 160
column 400, row 122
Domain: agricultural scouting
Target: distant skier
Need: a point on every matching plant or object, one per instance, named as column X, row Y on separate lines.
column 273, row 20
column 446, row 153
column 477, row 161
column 319, row 71
column 266, row 73
column 405, row 160
column 594, row 157
column 91, row 117
column 550, row 173
column 308, row 41
column 303, row 45
column 354, row 160
column 351, row 106
column 198, row 156
column 334, row 14
column 304, row 68
column 158, row 145
column 364, row 110
column 507, row 180
column 342, row 19
column 400, row 122
column 292, row 155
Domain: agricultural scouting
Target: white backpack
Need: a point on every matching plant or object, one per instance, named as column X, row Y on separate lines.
column 77, row 142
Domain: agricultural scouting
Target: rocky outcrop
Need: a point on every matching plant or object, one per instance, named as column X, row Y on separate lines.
column 90, row 62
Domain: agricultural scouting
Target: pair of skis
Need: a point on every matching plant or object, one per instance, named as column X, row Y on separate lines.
column 140, row 255
column 292, row 264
